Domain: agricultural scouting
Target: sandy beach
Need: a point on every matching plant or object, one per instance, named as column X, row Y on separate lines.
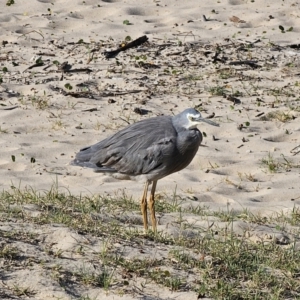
column 236, row 60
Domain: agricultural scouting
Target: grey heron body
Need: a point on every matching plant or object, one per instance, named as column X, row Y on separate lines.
column 147, row 150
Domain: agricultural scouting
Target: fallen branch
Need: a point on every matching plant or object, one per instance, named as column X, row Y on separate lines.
column 111, row 54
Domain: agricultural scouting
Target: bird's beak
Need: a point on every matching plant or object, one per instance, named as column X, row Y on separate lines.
column 208, row 121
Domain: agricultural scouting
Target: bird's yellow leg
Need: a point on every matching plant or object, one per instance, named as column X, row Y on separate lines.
column 152, row 205
column 144, row 206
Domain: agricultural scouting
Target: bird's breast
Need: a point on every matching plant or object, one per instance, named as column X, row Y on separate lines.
column 188, row 141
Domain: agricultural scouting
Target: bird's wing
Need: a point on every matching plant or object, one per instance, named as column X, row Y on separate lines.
column 138, row 160
column 138, row 149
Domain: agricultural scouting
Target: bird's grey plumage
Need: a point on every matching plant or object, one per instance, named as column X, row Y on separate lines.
column 151, row 148
column 157, row 147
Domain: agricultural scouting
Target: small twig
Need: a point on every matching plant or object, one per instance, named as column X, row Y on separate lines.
column 91, row 95
column 90, row 109
column 108, row 94
column 79, row 70
column 38, row 64
column 46, row 54
column 295, row 153
column 210, row 116
column 24, row 34
column 253, row 64
column 10, row 108
column 174, row 53
column 125, row 120
column 260, row 114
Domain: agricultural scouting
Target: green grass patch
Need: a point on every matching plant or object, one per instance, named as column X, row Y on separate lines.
column 217, row 264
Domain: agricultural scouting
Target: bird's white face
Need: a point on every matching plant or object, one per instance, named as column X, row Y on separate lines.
column 189, row 119
column 193, row 120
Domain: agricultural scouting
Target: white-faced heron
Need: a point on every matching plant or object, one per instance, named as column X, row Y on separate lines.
column 147, row 150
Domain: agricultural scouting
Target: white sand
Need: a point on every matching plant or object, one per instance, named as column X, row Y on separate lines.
column 43, row 125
